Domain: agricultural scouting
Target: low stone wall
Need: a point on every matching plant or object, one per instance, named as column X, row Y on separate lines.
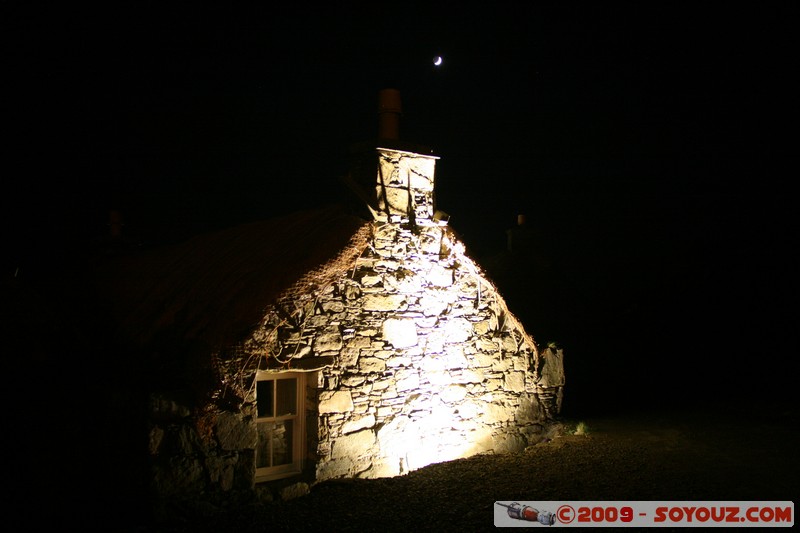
column 191, row 456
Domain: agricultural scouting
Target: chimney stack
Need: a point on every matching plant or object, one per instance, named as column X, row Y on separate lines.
column 389, row 110
column 395, row 179
column 115, row 223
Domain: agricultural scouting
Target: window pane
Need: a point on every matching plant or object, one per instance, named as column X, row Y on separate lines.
column 264, row 398
column 282, row 443
column 265, row 430
column 287, row 397
column 274, row 443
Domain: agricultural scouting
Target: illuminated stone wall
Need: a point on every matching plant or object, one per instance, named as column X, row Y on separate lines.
column 421, row 361
column 412, row 358
column 404, row 185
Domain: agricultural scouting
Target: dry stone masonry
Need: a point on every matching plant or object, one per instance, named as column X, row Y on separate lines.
column 428, row 363
column 410, row 353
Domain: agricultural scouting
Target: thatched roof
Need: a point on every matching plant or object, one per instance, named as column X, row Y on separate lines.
column 212, row 289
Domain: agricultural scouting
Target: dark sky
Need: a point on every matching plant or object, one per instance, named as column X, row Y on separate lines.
column 648, row 143
column 193, row 118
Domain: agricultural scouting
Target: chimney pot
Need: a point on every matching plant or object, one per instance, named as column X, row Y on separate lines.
column 389, row 110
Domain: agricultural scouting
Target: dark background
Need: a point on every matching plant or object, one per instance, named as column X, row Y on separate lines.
column 650, row 147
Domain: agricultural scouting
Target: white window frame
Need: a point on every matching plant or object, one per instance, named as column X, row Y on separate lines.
column 298, row 426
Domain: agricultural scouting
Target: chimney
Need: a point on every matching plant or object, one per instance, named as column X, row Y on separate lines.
column 115, row 223
column 389, row 110
column 395, row 179
column 522, row 237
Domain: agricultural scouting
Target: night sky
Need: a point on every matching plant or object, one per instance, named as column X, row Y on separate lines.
column 649, row 146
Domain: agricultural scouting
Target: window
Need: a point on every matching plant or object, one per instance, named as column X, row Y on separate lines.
column 279, row 406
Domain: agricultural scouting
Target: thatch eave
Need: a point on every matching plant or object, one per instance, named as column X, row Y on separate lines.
column 209, row 292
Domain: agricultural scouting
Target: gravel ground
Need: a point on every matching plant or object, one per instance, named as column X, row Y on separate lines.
column 717, row 453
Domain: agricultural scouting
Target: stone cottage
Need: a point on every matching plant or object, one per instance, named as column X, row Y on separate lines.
column 323, row 345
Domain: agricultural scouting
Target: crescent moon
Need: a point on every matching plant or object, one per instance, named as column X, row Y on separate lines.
column 437, row 60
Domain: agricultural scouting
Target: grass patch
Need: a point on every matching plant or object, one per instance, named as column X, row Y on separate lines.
column 580, row 428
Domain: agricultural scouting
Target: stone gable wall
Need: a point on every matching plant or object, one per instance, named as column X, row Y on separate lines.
column 413, row 358
column 428, row 364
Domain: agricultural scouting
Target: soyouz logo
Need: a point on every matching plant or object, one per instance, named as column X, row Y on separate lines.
column 645, row 513
column 759, row 514
column 526, row 512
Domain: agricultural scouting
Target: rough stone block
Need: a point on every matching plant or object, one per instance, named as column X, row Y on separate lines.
column 354, row 381
column 501, row 365
column 481, row 360
column 348, row 357
column 433, row 304
column 371, row 365
column 221, row 471
column 552, row 373
column 520, row 363
column 420, row 177
column 394, row 199
column 328, row 341
column 494, row 413
column 509, row 344
column 487, row 346
column 359, row 342
column 178, row 476
column 494, row 384
column 453, row 393
column 353, row 445
column 384, row 302
column 294, row 491
column 438, row 379
column 468, row 410
column 384, row 411
column 336, row 402
column 166, row 408
column 481, row 327
column 458, row 330
column 515, row 381
column 331, row 307
column 434, row 342
column 454, row 357
column 528, row 410
column 400, row 333
column 333, row 469
column 398, row 361
column 433, row 363
column 414, row 352
column 407, row 380
column 234, row 432
column 440, row 276
column 358, row 424
column 469, row 376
